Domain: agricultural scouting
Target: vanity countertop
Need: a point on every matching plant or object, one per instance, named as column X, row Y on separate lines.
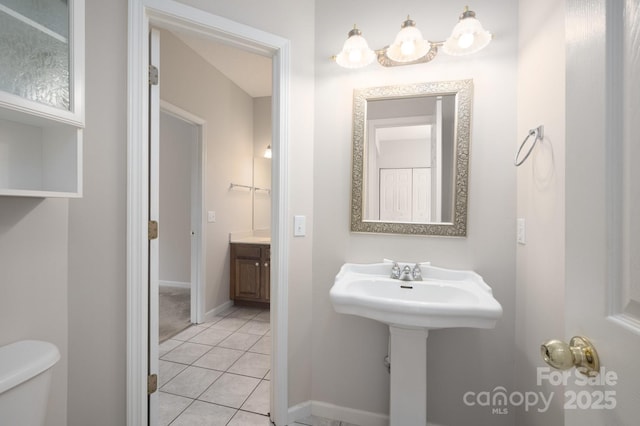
column 251, row 240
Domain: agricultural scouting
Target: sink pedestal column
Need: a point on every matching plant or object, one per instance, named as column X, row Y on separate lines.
column 408, row 359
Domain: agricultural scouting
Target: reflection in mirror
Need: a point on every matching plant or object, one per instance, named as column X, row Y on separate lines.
column 410, row 158
column 261, row 194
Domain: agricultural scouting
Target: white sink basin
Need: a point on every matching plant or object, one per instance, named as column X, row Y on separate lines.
column 444, row 298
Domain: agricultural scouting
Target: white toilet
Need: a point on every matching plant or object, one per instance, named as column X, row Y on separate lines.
column 25, row 379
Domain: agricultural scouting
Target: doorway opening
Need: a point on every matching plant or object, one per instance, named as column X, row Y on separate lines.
column 178, row 17
column 217, row 370
column 181, row 248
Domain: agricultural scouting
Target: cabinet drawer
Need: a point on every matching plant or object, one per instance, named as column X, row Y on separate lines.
column 247, row 251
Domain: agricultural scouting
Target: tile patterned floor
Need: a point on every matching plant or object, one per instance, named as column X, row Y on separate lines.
column 218, row 373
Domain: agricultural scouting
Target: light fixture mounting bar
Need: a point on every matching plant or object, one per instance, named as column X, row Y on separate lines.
column 385, row 61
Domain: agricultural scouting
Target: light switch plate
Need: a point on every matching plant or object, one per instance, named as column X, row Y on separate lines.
column 521, row 231
column 211, row 216
column 299, row 226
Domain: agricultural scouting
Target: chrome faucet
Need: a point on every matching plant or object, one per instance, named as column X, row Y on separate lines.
column 406, row 274
column 416, row 273
column 395, row 271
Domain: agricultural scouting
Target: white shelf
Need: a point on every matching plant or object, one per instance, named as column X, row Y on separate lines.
column 37, row 194
column 40, row 161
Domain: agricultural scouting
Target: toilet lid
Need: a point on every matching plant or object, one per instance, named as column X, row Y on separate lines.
column 23, row 360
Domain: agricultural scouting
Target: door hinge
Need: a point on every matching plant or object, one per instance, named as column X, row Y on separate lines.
column 153, row 229
column 153, row 75
column 152, row 383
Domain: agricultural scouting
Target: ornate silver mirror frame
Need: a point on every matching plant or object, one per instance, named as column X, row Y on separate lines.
column 463, row 92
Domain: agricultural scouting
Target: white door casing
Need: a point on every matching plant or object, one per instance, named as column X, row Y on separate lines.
column 602, row 206
column 176, row 16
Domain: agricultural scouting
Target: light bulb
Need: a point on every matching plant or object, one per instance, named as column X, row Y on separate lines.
column 466, row 40
column 355, row 55
column 355, row 51
column 467, row 36
column 407, row 47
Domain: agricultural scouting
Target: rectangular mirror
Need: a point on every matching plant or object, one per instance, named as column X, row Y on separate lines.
column 410, row 158
column 261, row 194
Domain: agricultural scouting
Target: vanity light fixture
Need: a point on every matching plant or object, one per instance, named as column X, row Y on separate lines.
column 467, row 36
column 267, row 152
column 409, row 44
column 355, row 51
column 409, row 47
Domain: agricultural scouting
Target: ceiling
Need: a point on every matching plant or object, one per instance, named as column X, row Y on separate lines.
column 251, row 72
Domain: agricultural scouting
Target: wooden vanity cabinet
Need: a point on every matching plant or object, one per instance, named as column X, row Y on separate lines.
column 250, row 274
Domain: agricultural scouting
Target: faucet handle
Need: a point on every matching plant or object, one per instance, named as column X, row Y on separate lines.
column 395, row 271
column 417, row 273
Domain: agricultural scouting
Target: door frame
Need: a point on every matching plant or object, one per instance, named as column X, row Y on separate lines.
column 198, row 191
column 169, row 14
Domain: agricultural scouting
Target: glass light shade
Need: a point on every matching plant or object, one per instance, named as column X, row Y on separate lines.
column 467, row 36
column 355, row 51
column 408, row 45
column 267, row 152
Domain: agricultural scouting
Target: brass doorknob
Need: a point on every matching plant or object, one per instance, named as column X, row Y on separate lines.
column 579, row 353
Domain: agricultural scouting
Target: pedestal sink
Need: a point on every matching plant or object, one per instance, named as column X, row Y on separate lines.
column 444, row 298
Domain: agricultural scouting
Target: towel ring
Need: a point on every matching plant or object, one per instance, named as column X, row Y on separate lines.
column 539, row 133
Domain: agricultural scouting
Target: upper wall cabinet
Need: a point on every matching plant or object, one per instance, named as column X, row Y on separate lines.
column 41, row 97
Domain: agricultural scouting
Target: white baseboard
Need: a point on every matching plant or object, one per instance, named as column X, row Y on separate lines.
column 164, row 283
column 217, row 310
column 299, row 412
column 349, row 415
column 336, row 412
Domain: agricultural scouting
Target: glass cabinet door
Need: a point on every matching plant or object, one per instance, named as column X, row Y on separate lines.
column 36, row 62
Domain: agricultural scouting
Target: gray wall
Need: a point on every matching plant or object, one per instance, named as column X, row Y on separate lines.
column 348, row 351
column 97, row 230
column 541, row 197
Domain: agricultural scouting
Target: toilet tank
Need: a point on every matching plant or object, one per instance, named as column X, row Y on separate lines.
column 25, row 379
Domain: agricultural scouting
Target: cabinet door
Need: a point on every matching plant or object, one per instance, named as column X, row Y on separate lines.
column 247, row 278
column 41, row 66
